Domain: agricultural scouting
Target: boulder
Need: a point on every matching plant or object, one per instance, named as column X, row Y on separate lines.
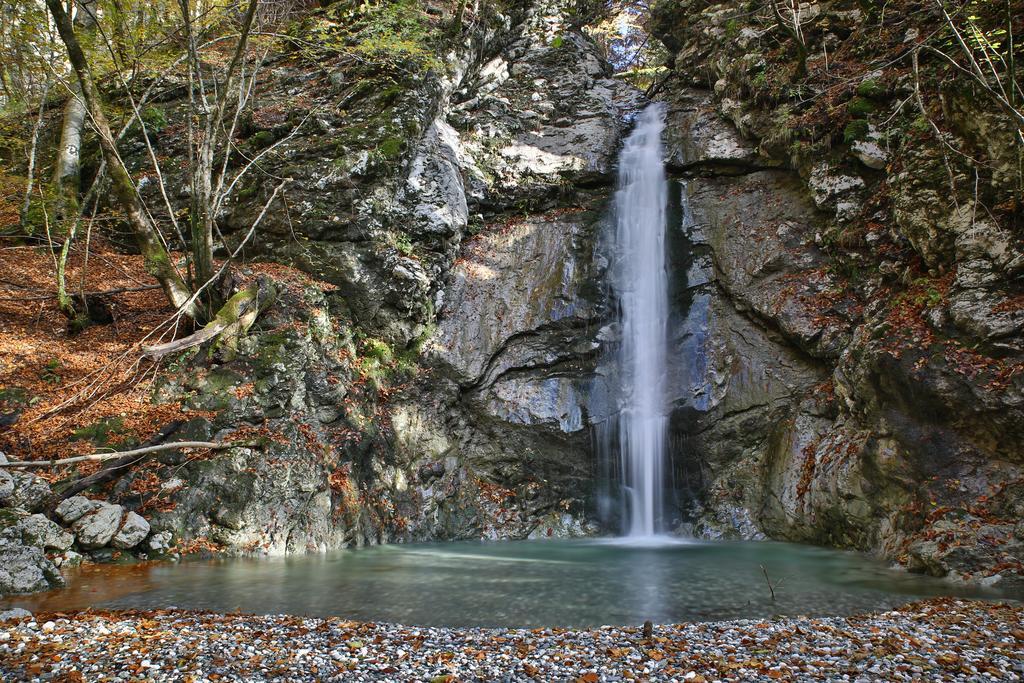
column 834, row 190
column 133, row 529
column 870, row 154
column 30, row 492
column 870, row 150
column 74, row 508
column 24, row 569
column 37, row 530
column 96, row 529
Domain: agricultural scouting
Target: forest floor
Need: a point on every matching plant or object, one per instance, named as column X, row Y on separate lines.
column 63, row 393
column 934, row 640
column 67, row 392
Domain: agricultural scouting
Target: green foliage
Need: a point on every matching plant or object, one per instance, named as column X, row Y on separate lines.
column 767, row 83
column 36, row 217
column 377, row 350
column 428, row 332
column 391, row 147
column 933, row 297
column 860, row 107
column 12, row 398
column 248, row 192
column 920, row 125
column 855, row 130
column 403, row 243
column 51, row 372
column 476, row 224
column 405, row 366
column 557, row 42
column 391, row 34
column 154, row 118
column 642, row 78
column 26, row 48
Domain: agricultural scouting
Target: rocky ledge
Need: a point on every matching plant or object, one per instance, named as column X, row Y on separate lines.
column 949, row 640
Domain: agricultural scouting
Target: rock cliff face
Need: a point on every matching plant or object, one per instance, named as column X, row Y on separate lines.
column 846, row 333
column 442, row 378
column 854, row 328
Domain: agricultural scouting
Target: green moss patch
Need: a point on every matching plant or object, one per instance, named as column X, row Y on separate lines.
column 855, row 130
column 860, row 107
column 102, row 432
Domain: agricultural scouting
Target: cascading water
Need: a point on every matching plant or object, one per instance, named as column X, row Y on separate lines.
column 641, row 283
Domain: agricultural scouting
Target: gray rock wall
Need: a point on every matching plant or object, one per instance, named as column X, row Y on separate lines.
column 822, row 398
column 445, row 386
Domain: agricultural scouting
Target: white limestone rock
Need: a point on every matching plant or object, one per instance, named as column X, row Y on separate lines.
column 833, row 190
column 133, row 530
column 160, row 542
column 29, row 493
column 97, row 528
column 870, row 154
column 25, row 569
column 39, row 531
column 74, row 508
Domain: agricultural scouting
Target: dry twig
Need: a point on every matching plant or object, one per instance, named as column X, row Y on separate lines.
column 99, row 457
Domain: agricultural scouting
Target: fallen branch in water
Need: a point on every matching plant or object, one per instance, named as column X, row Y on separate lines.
column 771, row 589
column 99, row 457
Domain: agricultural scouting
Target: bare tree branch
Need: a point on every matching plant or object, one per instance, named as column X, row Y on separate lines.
column 100, row 457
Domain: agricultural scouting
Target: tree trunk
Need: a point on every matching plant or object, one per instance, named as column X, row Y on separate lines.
column 33, row 146
column 157, row 260
column 232, row 321
column 203, row 220
column 67, row 171
column 460, row 13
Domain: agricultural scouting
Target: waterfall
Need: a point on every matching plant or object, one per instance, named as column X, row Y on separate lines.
column 641, row 283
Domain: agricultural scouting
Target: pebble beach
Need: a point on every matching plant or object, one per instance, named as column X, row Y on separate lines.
column 935, row 640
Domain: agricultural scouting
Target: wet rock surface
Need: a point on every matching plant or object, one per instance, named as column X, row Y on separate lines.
column 799, row 422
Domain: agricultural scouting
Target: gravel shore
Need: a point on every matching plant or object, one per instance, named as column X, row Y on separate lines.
column 945, row 639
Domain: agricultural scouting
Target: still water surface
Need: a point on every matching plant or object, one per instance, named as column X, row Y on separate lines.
column 522, row 583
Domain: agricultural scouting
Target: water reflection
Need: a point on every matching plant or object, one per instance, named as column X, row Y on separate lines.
column 529, row 583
